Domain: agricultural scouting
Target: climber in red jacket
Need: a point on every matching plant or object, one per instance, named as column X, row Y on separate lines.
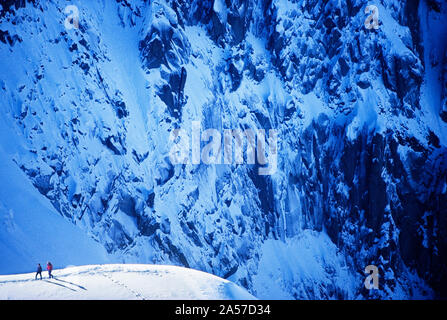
column 49, row 268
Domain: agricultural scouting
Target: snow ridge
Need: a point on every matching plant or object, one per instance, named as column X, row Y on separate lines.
column 119, row 282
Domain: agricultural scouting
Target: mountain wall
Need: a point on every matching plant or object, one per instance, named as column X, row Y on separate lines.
column 360, row 116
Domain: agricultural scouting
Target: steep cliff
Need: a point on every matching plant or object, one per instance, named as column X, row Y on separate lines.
column 360, row 115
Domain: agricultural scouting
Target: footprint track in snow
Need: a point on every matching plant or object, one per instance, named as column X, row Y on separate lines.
column 135, row 293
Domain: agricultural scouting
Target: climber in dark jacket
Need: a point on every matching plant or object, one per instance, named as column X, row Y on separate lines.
column 39, row 271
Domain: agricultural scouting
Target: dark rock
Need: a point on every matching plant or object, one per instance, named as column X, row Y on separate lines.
column 84, row 66
column 120, row 109
column 344, row 67
column 150, row 200
column 433, row 139
column 364, row 84
column 114, row 144
column 237, row 26
column 127, row 205
column 236, row 77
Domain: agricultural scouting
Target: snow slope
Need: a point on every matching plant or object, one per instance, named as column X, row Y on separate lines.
column 304, row 266
column 122, row 281
column 31, row 230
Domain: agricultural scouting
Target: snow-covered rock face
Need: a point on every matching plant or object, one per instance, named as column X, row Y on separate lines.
column 360, row 115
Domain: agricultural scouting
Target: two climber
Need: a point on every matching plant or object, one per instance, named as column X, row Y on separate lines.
column 49, row 269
